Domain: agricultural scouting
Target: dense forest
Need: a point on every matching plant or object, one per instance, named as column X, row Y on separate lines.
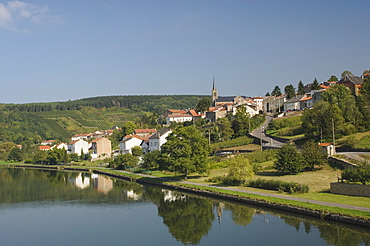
column 150, row 103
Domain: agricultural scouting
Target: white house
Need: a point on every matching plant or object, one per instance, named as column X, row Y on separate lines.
column 178, row 118
column 293, row 103
column 60, row 146
column 259, row 103
column 128, row 142
column 77, row 146
column 158, row 139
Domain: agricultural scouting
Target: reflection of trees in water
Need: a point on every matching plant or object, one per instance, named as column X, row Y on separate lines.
column 339, row 236
column 187, row 218
column 333, row 234
column 241, row 215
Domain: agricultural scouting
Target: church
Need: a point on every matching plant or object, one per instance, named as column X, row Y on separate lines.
column 229, row 100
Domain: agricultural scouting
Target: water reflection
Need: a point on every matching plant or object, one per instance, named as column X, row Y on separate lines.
column 189, row 219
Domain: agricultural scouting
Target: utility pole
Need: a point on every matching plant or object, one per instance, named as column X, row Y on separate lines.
column 332, row 125
column 261, row 137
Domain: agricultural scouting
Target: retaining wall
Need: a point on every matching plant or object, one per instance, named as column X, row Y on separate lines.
column 350, row 189
column 341, row 163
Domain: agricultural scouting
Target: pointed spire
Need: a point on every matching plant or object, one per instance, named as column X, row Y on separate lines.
column 213, row 82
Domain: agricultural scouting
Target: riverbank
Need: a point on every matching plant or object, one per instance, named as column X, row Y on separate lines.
column 359, row 216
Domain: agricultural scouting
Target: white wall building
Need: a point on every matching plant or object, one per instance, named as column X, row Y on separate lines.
column 128, row 142
column 158, row 139
column 77, row 146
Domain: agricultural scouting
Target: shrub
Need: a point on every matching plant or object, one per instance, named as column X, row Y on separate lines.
column 290, row 187
column 285, row 122
column 360, row 174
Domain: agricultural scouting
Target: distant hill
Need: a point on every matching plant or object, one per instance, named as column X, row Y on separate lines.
column 33, row 122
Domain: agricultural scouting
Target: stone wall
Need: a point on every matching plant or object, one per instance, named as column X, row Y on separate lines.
column 350, row 189
column 340, row 163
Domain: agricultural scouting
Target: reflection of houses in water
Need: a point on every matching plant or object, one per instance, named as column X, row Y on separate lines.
column 220, row 207
column 170, row 196
column 132, row 195
column 101, row 183
column 81, row 181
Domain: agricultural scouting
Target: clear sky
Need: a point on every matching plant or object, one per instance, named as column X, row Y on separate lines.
column 72, row 49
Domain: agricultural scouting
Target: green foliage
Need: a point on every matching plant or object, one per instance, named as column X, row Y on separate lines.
column 360, row 174
column 333, row 78
column 204, row 104
column 313, row 155
column 137, row 151
column 224, row 126
column 186, row 151
column 278, row 124
column 300, row 90
column 346, row 73
column 125, row 161
column 289, row 160
column 240, row 171
column 261, row 156
column 290, row 187
column 240, row 141
column 315, row 85
column 15, row 155
column 151, row 160
column 289, row 91
column 276, row 91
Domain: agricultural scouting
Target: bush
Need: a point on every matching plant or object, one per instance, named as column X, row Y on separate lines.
column 290, row 187
column 360, row 174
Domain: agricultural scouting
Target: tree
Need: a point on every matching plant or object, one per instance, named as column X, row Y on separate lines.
column 341, row 96
column 40, row 157
column 240, row 124
column 333, row 78
column 289, row 160
column 204, row 104
column 365, row 90
column 267, row 94
column 240, row 170
column 289, row 91
column 15, row 155
column 151, row 160
column 224, row 126
column 300, row 88
column 196, row 215
column 124, row 161
column 318, row 120
column 137, row 151
column 313, row 155
column 346, row 73
column 276, row 91
column 186, row 151
column 315, row 85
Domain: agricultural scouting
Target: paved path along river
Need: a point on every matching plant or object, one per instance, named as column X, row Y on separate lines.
column 240, row 189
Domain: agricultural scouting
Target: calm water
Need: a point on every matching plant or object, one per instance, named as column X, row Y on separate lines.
column 69, row 208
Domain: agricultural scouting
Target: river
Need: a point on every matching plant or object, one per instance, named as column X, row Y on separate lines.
column 39, row 207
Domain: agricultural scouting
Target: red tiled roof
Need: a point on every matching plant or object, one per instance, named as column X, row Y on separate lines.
column 145, row 130
column 306, row 98
column 175, row 111
column 192, row 112
column 44, row 147
column 324, row 144
column 324, row 87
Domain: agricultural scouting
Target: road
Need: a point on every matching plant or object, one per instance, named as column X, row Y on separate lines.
column 267, row 141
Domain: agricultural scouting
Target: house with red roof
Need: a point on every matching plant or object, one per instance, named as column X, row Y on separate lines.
column 78, row 146
column 44, row 147
column 144, row 132
column 353, row 83
column 128, row 142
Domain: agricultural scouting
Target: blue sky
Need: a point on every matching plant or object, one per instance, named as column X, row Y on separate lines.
column 72, row 49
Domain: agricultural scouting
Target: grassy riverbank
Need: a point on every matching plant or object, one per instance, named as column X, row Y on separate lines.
column 318, row 196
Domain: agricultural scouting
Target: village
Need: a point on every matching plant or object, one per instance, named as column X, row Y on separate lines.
column 97, row 145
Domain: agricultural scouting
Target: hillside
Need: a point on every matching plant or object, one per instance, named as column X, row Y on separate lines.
column 33, row 122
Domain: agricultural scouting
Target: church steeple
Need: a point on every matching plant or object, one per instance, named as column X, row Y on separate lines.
column 214, row 92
